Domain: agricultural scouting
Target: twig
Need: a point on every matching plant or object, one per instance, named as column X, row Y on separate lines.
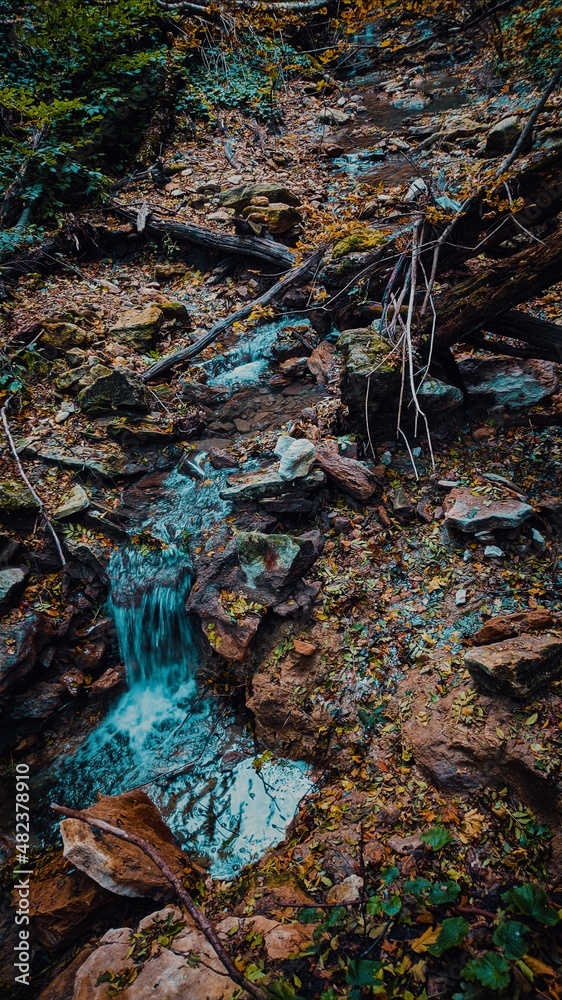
column 195, row 913
column 23, row 475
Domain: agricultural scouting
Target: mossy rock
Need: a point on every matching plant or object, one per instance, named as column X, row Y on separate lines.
column 16, row 500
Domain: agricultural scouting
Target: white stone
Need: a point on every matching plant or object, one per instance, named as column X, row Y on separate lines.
column 493, row 552
column 460, row 598
column 297, row 460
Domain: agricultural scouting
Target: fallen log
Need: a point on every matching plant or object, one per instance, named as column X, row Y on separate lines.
column 186, row 353
column 214, row 240
column 539, row 333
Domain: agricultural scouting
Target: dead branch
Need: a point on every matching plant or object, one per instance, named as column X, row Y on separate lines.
column 541, row 334
column 526, row 133
column 194, row 911
column 186, row 353
column 23, row 475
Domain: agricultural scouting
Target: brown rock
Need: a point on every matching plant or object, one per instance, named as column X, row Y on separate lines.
column 516, row 667
column 304, row 648
column 63, row 984
column 115, row 865
column 508, row 626
column 472, row 512
column 351, row 476
column 63, row 902
column 109, row 680
column 322, row 362
column 348, row 891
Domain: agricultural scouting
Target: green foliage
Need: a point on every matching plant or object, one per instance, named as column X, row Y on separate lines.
column 436, row 894
column 491, row 970
column 437, row 837
column 452, row 934
column 531, row 900
column 362, row 972
column 510, row 937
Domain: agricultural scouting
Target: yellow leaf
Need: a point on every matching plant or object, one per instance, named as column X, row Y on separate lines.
column 540, row 968
column 422, row 943
column 532, row 719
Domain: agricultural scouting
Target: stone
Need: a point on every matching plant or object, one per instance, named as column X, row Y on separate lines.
column 503, row 136
column 516, row 667
column 21, row 644
column 120, row 390
column 65, row 336
column 294, row 367
column 173, row 309
column 297, row 459
column 508, row 626
column 272, row 562
column 277, row 217
column 64, row 901
column 137, row 328
column 493, row 552
column 509, row 382
column 9, row 549
column 265, row 485
column 460, row 598
column 322, row 363
column 16, row 500
column 472, row 512
column 348, row 891
column 12, row 582
column 168, row 272
column 75, row 501
column 222, row 458
column 123, row 868
column 112, row 678
column 169, row 970
column 539, row 541
column 241, row 196
column 332, row 116
column 39, row 702
column 404, row 845
column 218, row 217
column 149, row 429
column 304, row 648
column 349, row 475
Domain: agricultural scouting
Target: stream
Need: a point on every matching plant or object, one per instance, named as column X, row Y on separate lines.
column 193, row 754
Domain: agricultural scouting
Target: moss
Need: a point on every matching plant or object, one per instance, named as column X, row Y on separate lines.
column 364, row 351
column 15, row 499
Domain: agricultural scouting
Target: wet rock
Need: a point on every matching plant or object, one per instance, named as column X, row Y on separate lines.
column 221, row 458
column 12, row 582
column 509, row 382
column 139, row 430
column 262, row 485
column 137, row 328
column 73, row 503
column 322, row 363
column 39, row 702
column 349, row 475
column 241, row 196
column 516, row 667
column 297, row 457
column 472, row 512
column 493, row 552
column 120, row 390
column 115, row 865
column 271, row 562
column 110, row 680
column 65, row 336
column 503, row 136
column 9, row 549
column 20, row 647
column 78, row 378
column 293, row 367
column 276, row 217
column 73, row 682
column 16, row 501
column 181, row 965
column 63, row 902
column 402, row 505
column 332, row 116
column 348, row 891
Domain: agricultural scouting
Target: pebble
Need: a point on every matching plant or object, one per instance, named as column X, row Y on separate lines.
column 460, row 598
column 448, row 484
column 493, row 552
column 539, row 542
column 386, row 458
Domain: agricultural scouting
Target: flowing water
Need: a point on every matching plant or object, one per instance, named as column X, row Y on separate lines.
column 189, row 751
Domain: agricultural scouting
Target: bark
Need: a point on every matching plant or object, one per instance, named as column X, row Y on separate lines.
column 474, row 304
column 539, row 333
column 164, row 366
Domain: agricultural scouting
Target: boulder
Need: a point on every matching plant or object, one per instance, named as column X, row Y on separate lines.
column 281, row 941
column 503, row 136
column 16, row 500
column 9, row 549
column 178, row 963
column 123, row 868
column 271, row 562
column 137, row 328
column 40, row 702
column 509, row 382
column 173, row 309
column 65, row 336
column 149, row 429
column 63, row 902
column 20, row 645
column 333, row 116
column 120, row 390
column 12, row 582
column 516, row 667
column 322, row 363
column 346, row 473
column 276, row 217
column 241, row 196
column 471, row 512
column 297, row 457
column 75, row 501
column 508, row 626
column 265, row 485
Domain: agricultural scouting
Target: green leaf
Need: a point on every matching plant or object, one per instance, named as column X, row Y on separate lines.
column 281, row 990
column 491, row 970
column 392, row 906
column 361, row 972
column 437, row 837
column 389, row 875
column 510, row 938
column 452, row 934
column 532, row 900
column 374, row 906
column 309, row 915
column 418, row 887
column 444, row 892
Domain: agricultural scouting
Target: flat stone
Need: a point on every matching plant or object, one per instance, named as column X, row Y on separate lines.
column 509, row 382
column 260, row 485
column 517, row 666
column 508, row 626
column 297, row 459
column 472, row 512
column 137, row 328
column 332, row 116
column 493, row 552
column 120, row 390
column 73, row 503
column 273, row 561
column 12, row 582
column 65, row 336
column 277, row 217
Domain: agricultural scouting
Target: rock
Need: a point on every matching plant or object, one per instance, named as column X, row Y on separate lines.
column 460, row 598
column 168, row 272
column 276, row 217
column 503, row 136
column 20, row 646
column 241, row 196
column 294, row 367
column 508, row 626
column 552, row 508
column 120, row 390
column 112, row 678
column 280, row 940
column 402, row 505
column 115, row 865
column 9, row 549
column 265, row 485
column 16, row 500
column 39, row 702
column 348, row 891
column 349, row 475
column 65, row 336
column 509, row 382
column 76, row 357
column 332, row 116
column 493, row 552
column 137, row 328
column 180, row 964
column 12, row 582
column 64, row 901
column 173, row 309
column 221, row 458
column 539, row 541
column 297, row 459
column 73, row 503
column 63, row 984
column 404, row 845
column 516, row 667
column 218, row 217
column 303, row 648
column 271, row 562
column 471, row 512
column 322, row 363
column 149, row 429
